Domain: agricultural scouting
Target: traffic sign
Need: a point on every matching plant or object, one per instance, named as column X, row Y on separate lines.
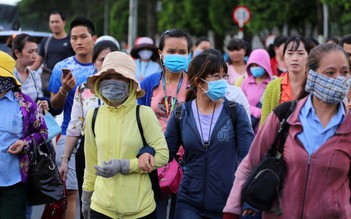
column 241, row 15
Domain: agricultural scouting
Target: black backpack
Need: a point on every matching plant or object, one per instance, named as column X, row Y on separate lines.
column 265, row 181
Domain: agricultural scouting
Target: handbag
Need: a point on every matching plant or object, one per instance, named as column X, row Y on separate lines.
column 44, row 181
column 170, row 177
column 265, row 181
column 56, row 210
column 53, row 127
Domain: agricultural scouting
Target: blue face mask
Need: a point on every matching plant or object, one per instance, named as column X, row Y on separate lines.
column 216, row 89
column 176, row 63
column 257, row 71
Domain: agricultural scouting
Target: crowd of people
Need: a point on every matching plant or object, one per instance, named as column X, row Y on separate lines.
column 126, row 117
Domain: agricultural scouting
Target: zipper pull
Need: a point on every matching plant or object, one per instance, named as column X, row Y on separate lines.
column 206, row 144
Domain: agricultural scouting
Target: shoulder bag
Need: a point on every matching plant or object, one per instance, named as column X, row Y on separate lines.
column 265, row 181
column 44, row 181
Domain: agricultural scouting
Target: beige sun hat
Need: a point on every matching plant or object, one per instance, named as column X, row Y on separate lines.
column 7, row 66
column 121, row 63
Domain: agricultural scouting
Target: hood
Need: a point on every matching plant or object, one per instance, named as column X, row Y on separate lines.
column 130, row 101
column 117, row 63
column 261, row 58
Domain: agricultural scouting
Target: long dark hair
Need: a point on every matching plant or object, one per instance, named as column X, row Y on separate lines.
column 206, row 63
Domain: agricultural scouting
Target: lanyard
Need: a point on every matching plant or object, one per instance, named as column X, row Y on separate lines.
column 206, row 144
column 141, row 72
column 174, row 99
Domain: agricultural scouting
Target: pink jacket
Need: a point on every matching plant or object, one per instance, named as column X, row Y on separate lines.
column 253, row 91
column 314, row 187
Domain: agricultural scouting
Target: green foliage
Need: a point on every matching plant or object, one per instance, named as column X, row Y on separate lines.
column 171, row 15
column 220, row 16
column 119, row 13
column 195, row 16
column 35, row 13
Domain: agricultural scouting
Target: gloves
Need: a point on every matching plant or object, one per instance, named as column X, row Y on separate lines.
column 112, row 167
column 86, row 199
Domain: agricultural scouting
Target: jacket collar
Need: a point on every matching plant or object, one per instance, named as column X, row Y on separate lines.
column 343, row 128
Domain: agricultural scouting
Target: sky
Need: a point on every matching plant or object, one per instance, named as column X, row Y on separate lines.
column 10, row 2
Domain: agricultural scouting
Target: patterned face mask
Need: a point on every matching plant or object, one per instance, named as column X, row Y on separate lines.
column 328, row 90
column 6, row 84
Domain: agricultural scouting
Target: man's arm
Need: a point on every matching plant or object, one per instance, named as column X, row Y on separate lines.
column 37, row 63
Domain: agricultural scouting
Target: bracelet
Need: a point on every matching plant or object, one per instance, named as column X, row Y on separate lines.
column 65, row 156
column 62, row 93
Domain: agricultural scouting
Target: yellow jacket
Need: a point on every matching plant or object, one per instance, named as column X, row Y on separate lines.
column 118, row 137
column 271, row 98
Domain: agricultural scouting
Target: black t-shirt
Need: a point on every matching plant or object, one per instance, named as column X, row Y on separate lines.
column 58, row 50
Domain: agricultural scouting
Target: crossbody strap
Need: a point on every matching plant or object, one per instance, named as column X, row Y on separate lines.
column 94, row 119
column 234, row 119
column 139, row 125
column 46, row 49
column 282, row 111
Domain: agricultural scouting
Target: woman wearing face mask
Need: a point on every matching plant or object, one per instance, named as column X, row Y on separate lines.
column 21, row 122
column 83, row 101
column 317, row 149
column 116, row 182
column 260, row 74
column 166, row 90
column 291, row 85
column 145, row 54
column 213, row 147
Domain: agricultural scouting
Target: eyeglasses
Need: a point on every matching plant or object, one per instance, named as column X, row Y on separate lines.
column 218, row 76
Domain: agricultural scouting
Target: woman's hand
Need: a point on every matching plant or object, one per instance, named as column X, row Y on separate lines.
column 43, row 105
column 146, row 162
column 16, row 147
column 63, row 169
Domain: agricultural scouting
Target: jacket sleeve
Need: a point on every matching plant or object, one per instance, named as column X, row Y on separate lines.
column 259, row 146
column 244, row 132
column 37, row 127
column 266, row 105
column 90, row 152
column 172, row 137
column 154, row 138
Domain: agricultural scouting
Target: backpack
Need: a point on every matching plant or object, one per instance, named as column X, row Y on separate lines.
column 232, row 113
column 153, row 174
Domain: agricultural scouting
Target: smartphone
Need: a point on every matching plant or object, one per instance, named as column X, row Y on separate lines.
column 65, row 71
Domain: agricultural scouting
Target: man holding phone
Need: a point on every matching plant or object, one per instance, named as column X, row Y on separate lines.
column 66, row 76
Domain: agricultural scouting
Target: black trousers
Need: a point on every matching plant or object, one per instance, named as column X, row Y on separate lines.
column 97, row 215
column 80, row 166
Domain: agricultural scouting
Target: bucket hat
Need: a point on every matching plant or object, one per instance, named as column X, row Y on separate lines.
column 144, row 43
column 117, row 63
column 7, row 66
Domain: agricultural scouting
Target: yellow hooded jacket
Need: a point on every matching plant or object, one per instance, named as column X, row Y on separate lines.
column 117, row 137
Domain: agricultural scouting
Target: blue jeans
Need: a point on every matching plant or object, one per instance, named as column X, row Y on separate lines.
column 165, row 207
column 186, row 211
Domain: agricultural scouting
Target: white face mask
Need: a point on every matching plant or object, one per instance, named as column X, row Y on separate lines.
column 114, row 91
column 145, row 54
